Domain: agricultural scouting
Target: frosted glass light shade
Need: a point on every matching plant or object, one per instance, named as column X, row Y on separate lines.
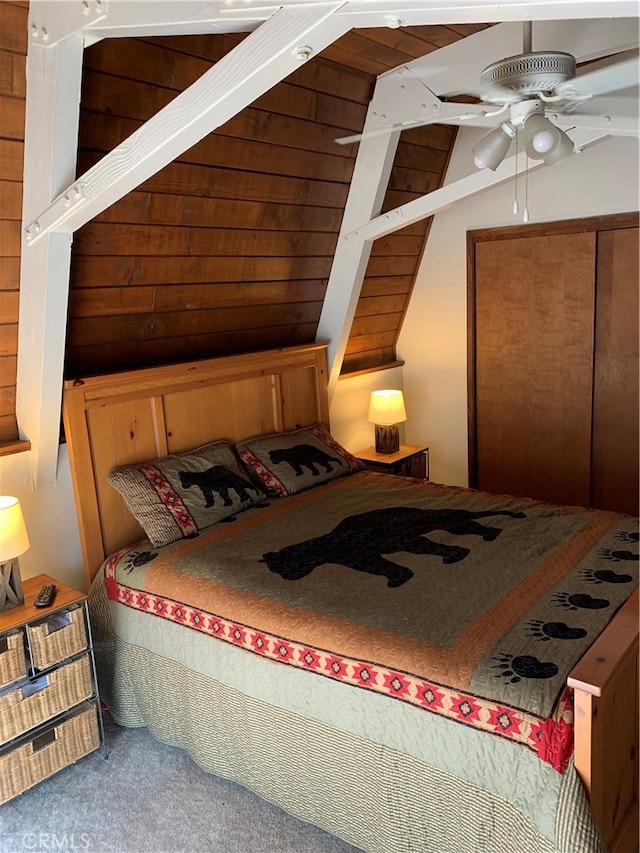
column 387, row 407
column 13, row 533
column 562, row 149
column 491, row 150
column 544, row 141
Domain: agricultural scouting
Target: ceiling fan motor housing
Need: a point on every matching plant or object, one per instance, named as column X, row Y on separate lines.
column 530, row 73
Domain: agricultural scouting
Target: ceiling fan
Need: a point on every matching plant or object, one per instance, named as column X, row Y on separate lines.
column 518, row 90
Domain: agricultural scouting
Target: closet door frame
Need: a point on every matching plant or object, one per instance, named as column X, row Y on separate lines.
column 569, row 226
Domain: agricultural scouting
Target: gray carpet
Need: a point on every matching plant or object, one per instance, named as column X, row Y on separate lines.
column 150, row 798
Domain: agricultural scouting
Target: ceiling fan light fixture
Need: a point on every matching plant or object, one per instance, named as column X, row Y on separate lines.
column 491, row 150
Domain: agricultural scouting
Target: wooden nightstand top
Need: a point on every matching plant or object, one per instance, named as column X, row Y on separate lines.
column 406, row 450
column 23, row 613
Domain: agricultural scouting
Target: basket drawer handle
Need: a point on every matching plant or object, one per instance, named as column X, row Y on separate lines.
column 43, row 741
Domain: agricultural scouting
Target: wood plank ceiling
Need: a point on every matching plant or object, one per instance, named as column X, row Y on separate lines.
column 229, row 248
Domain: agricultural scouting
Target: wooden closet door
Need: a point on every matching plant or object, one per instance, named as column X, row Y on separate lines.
column 614, row 459
column 534, row 338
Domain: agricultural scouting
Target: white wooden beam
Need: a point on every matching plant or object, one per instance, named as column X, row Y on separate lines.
column 137, row 18
column 51, row 22
column 438, row 200
column 412, row 92
column 354, row 247
column 54, row 20
column 51, row 131
column 394, row 13
column 266, row 56
column 366, row 195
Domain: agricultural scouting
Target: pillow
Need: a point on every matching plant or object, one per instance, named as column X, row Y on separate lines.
column 176, row 496
column 290, row 462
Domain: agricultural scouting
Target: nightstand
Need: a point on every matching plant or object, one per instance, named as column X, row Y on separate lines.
column 49, row 702
column 410, row 461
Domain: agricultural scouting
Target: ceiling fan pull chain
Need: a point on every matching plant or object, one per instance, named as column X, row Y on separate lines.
column 515, row 200
column 525, row 215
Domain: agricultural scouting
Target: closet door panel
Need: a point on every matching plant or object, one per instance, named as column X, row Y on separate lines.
column 534, row 365
column 614, row 476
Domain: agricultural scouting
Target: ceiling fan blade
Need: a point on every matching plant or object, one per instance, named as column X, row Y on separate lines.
column 607, row 75
column 408, row 125
column 383, row 131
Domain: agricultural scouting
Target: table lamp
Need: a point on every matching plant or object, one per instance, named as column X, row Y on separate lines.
column 13, row 542
column 386, row 411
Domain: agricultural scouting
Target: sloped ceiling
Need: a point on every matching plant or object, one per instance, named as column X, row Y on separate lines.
column 229, row 248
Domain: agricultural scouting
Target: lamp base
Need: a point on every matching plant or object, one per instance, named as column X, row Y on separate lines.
column 387, row 438
column 11, row 594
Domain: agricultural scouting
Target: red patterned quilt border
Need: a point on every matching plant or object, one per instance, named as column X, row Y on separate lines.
column 551, row 739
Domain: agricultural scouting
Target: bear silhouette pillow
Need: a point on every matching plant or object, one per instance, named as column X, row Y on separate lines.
column 178, row 495
column 290, row 462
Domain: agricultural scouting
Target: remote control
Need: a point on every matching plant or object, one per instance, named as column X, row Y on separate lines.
column 45, row 596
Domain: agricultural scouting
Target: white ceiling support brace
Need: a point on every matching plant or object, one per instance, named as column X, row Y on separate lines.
column 54, row 77
column 366, row 195
column 411, row 92
column 354, row 247
column 373, row 13
column 140, row 18
column 124, row 18
column 440, row 199
column 50, row 23
column 51, row 132
column 270, row 53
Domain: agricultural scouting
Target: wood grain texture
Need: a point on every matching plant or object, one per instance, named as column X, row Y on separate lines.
column 534, row 355
column 136, row 416
column 13, row 49
column 271, row 174
column 614, row 461
column 259, row 201
column 590, row 432
column 605, row 684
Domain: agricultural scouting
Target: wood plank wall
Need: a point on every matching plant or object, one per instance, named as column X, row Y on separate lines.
column 13, row 51
column 229, row 248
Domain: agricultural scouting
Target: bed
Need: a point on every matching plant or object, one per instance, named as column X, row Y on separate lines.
column 412, row 667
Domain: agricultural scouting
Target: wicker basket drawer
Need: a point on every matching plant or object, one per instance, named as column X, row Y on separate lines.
column 62, row 635
column 42, row 756
column 30, row 704
column 13, row 663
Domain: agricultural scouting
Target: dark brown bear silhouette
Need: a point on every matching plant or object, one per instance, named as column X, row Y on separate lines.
column 303, row 456
column 218, row 480
column 359, row 541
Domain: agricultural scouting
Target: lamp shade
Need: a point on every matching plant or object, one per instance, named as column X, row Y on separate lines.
column 387, row 407
column 13, row 534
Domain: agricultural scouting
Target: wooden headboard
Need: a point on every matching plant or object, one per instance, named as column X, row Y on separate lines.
column 140, row 415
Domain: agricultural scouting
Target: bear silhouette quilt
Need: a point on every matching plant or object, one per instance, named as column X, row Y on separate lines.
column 467, row 605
